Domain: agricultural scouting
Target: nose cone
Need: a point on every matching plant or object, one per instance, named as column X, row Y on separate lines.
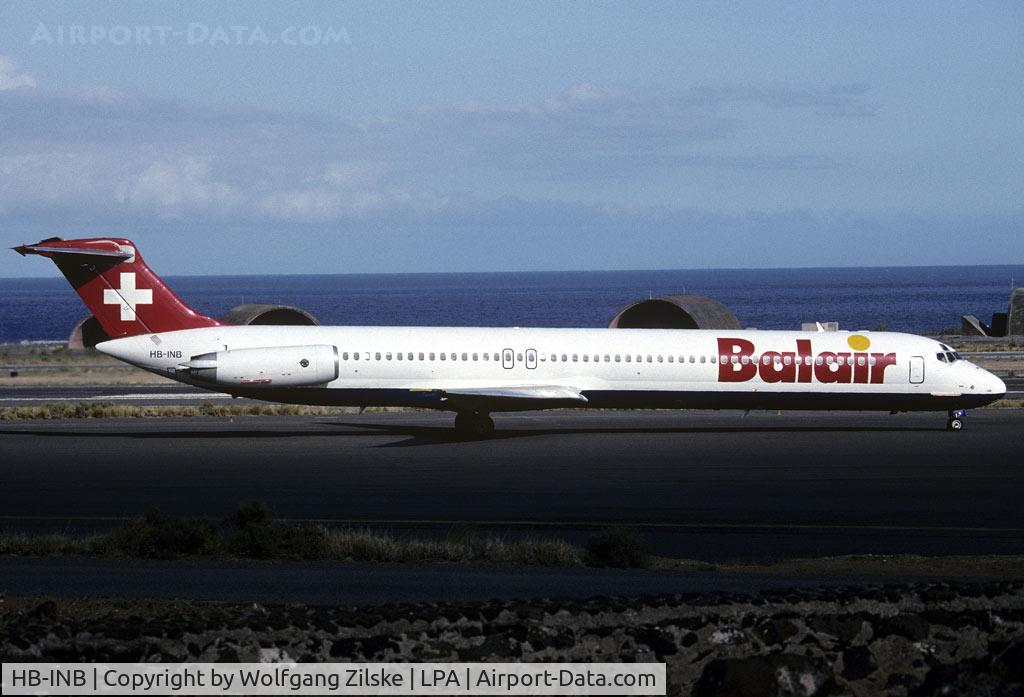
column 995, row 385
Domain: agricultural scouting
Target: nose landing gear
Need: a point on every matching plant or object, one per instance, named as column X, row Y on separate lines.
column 474, row 424
column 956, row 420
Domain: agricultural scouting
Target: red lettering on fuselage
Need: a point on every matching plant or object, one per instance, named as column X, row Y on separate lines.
column 739, row 362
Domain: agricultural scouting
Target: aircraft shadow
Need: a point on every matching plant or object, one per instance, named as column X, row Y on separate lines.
column 434, row 435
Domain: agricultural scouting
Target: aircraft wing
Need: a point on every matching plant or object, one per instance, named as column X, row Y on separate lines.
column 524, row 396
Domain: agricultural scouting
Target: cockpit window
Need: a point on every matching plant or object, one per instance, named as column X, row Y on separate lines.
column 941, row 357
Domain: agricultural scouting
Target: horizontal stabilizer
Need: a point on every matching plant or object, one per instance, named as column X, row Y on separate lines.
column 109, row 251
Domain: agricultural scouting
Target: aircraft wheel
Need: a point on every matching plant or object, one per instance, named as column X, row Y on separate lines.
column 474, row 425
column 955, row 425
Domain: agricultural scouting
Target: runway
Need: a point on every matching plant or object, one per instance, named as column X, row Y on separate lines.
column 706, row 485
column 170, row 394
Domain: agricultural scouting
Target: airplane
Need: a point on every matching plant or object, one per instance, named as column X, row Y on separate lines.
column 475, row 371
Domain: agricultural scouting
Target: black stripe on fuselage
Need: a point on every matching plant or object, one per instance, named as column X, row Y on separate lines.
column 632, row 399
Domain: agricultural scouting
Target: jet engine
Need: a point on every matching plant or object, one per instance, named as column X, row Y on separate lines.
column 281, row 366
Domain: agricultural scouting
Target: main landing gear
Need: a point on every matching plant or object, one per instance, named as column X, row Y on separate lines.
column 956, row 420
column 474, row 424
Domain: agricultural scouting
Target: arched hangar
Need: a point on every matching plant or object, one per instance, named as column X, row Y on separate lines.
column 675, row 312
column 260, row 313
column 88, row 332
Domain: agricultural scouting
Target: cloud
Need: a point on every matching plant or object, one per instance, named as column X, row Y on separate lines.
column 9, row 77
column 119, row 154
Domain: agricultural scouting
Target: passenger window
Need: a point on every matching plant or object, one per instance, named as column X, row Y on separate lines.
column 714, row 359
column 444, row 356
column 455, row 356
column 597, row 358
column 819, row 361
column 746, row 360
column 586, row 357
column 659, row 358
column 409, row 356
column 355, row 356
column 871, row 361
column 860, row 360
column 519, row 357
column 376, row 356
column 788, row 360
column 388, row 355
column 398, row 355
column 476, row 357
column 344, row 356
column 618, row 357
column 575, row 357
column 465, row 357
column 629, row 358
column 671, row 359
column 431, row 356
column 554, row 358
column 650, row 358
column 607, row 358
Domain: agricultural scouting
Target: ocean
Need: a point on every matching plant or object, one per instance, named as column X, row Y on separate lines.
column 913, row 299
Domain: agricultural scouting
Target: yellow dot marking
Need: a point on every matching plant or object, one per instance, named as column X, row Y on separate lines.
column 859, row 342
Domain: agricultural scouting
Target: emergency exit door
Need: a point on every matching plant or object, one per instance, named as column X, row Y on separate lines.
column 916, row 370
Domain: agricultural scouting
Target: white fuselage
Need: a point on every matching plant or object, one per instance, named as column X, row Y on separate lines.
column 420, row 366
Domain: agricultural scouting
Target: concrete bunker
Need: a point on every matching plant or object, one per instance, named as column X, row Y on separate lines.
column 261, row 313
column 675, row 312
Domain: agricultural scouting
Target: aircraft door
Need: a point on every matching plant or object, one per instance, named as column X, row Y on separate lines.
column 531, row 359
column 508, row 359
column 916, row 370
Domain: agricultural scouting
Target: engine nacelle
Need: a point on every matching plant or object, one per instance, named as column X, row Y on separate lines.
column 280, row 366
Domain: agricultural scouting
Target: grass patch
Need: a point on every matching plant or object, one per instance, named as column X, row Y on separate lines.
column 159, row 536
column 1006, row 404
column 251, row 532
column 111, row 410
column 619, row 548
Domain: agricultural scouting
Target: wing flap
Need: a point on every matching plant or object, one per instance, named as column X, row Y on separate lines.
column 536, row 396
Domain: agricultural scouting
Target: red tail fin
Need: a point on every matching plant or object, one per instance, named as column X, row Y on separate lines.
column 117, row 286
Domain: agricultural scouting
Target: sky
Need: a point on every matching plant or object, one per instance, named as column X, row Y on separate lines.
column 331, row 137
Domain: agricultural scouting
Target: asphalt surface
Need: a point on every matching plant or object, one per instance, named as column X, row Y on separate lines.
column 704, row 485
column 341, row 583
column 179, row 394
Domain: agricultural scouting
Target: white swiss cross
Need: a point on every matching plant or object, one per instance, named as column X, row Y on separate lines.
column 127, row 296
